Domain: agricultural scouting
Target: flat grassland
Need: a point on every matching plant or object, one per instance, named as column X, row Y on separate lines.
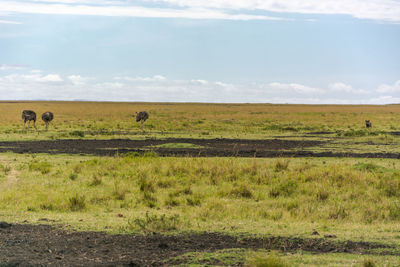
column 331, row 200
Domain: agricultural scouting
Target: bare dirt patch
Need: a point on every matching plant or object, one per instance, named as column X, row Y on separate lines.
column 209, row 147
column 27, row 245
column 206, row 148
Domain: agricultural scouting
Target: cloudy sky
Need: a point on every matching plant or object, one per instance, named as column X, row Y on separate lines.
column 249, row 51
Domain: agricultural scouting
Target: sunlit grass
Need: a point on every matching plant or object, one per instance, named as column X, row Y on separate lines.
column 351, row 198
column 262, row 258
column 110, row 120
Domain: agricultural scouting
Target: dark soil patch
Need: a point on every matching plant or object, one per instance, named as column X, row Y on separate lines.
column 209, row 148
column 321, row 132
column 33, row 245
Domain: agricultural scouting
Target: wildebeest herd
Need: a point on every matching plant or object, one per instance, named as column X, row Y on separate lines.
column 47, row 117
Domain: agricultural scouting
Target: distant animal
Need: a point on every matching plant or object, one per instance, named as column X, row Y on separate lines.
column 47, row 117
column 142, row 116
column 29, row 115
column 368, row 124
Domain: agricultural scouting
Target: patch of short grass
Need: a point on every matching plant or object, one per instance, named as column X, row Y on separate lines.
column 179, row 145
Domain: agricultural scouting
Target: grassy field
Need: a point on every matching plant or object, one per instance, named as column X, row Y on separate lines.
column 198, row 120
column 343, row 127
column 352, row 199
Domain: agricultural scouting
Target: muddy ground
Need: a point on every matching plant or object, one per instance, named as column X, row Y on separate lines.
column 43, row 245
column 208, row 148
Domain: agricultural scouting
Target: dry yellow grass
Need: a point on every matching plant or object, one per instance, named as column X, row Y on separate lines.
column 227, row 120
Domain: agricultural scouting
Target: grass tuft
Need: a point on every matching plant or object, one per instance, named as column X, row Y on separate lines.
column 77, row 202
column 155, row 223
column 242, row 191
column 368, row 263
column 259, row 259
column 281, row 165
column 43, row 167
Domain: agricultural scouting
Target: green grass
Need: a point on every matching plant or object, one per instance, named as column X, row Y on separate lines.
column 350, row 198
column 344, row 125
column 179, row 145
column 262, row 258
column 92, row 120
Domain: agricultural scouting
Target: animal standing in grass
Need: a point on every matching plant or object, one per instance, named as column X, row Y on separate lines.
column 29, row 115
column 142, row 116
column 368, row 124
column 47, row 117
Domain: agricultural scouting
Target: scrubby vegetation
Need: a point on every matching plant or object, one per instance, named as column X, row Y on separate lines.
column 243, row 195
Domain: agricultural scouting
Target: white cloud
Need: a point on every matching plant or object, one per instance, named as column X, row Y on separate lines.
column 142, row 79
column 202, row 82
column 11, row 67
column 78, row 80
column 295, row 87
column 387, row 10
column 32, row 78
column 345, row 88
column 50, row 78
column 9, row 22
column 385, row 88
column 381, row 10
column 159, row 88
column 127, row 10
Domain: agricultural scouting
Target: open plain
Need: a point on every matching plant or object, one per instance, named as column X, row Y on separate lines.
column 203, row 184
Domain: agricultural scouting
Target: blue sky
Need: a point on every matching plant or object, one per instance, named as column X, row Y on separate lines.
column 290, row 51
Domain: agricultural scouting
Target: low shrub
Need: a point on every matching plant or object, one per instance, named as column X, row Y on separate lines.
column 155, row 223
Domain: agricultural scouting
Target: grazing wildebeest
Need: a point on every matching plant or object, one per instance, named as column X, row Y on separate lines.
column 29, row 115
column 47, row 117
column 368, row 124
column 142, row 116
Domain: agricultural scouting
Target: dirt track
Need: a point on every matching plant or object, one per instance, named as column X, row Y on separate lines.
column 209, row 148
column 43, row 245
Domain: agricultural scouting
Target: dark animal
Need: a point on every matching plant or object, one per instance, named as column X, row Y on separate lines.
column 47, row 117
column 142, row 116
column 29, row 115
column 368, row 124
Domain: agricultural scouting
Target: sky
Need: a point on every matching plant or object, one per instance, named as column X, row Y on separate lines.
column 219, row 51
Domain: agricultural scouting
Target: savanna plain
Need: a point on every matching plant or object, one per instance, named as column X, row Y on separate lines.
column 330, row 198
